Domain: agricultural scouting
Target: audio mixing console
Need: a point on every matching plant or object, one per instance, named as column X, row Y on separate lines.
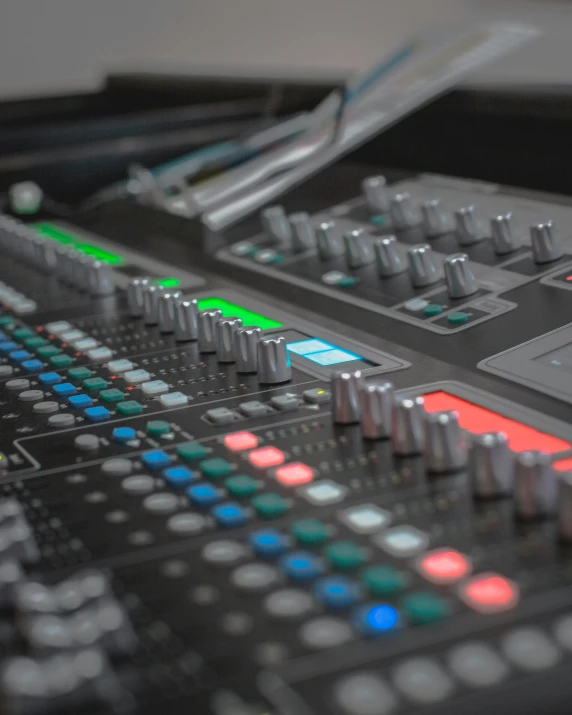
column 326, row 469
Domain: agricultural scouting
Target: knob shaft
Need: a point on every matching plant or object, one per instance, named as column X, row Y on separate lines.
column 445, row 443
column 246, row 349
column 303, row 233
column 467, row 226
column 422, row 266
column 403, row 213
column 346, row 388
column 435, row 220
column 503, row 234
column 359, row 251
column 491, row 466
column 546, row 246
column 207, row 322
column 151, row 295
column 276, row 225
column 388, row 257
column 166, row 311
column 376, row 404
column 273, row 362
column 225, row 329
column 460, row 279
column 375, row 191
column 186, row 320
column 565, row 507
column 407, row 426
column 135, row 290
column 535, row 486
column 329, row 242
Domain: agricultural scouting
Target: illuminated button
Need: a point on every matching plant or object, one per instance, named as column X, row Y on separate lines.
column 80, row 402
column 178, row 476
column 301, row 566
column 384, row 580
column 134, row 377
column 85, row 344
column 310, row 532
column 97, row 414
column 323, row 493
column 432, row 309
column 65, row 389
column 422, row 608
column 123, row 434
column 119, row 366
column 129, row 408
column 345, row 555
column 34, row 342
column 337, row 592
column 215, row 468
column 95, row 384
column 366, row 518
column 317, row 396
column 241, row 486
column 19, row 355
column 156, row 428
column 47, row 351
column 375, row 619
column 240, row 441
column 112, row 395
column 364, row 694
column 59, row 327
column 402, row 542
column 100, row 354
column 444, row 566
column 530, row 649
column 190, row 451
column 230, row 515
column 8, row 347
column 270, row 506
column 49, row 378
column 268, row 543
column 203, row 495
column 266, row 457
column 61, row 360
column 78, row 374
column 155, row 387
column 490, row 593
column 71, row 335
column 7, row 321
column 156, row 459
column 294, row 474
column 174, row 399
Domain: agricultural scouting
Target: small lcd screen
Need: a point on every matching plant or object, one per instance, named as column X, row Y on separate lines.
column 321, row 353
column 231, row 310
column 62, row 235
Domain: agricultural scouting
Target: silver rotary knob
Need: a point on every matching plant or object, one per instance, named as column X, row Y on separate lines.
column 422, row 265
column 207, row 322
column 275, row 224
column 435, row 221
column 186, row 320
column 151, row 295
column 25, row 197
column 346, row 388
column 135, row 290
column 303, row 233
column 101, row 281
column 246, row 349
column 388, row 257
column 225, row 330
column 358, row 249
column 491, row 465
column 503, row 234
column 459, row 277
column 329, row 242
column 535, row 486
column 403, row 212
column 166, row 311
column 375, row 192
column 546, row 246
column 376, row 404
column 565, row 506
column 407, row 426
column 445, row 443
column 273, row 362
column 467, row 226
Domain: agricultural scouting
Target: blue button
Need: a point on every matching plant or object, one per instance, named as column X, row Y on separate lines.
column 49, row 378
column 156, row 460
column 32, row 365
column 203, row 494
column 124, row 434
column 65, row 389
column 301, row 566
column 178, row 476
column 375, row 619
column 19, row 355
column 97, row 414
column 230, row 515
column 3, row 336
column 80, row 402
column 337, row 591
column 8, row 347
column 268, row 543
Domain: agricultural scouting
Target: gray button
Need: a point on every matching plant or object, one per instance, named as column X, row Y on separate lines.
column 254, row 577
column 477, row 665
column 24, row 677
column 117, row 517
column 161, row 503
column 269, row 654
column 175, row 568
column 49, row 632
column 286, row 402
column 118, row 467
column 325, row 633
column 140, row 538
column 204, row 594
column 20, row 383
column 138, row 484
column 96, row 497
column 236, row 624
column 86, row 442
column 288, row 603
column 29, row 395
column 254, row 408
column 221, row 415
column 530, row 649
column 6, row 371
column 62, row 420
column 364, row 694
column 422, row 680
column 223, row 553
column 44, row 408
column 317, row 395
column 563, row 632
column 186, row 523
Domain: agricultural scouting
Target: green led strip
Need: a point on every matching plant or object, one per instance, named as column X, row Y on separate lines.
column 50, row 230
column 230, row 310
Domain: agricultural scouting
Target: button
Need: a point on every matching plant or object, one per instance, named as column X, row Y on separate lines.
column 65, row 389
column 302, row 566
column 457, row 318
column 240, row 441
column 31, row 395
column 221, row 415
column 374, row 619
column 155, row 387
column 32, row 365
column 294, row 474
column 223, row 552
column 129, row 408
column 100, row 354
column 71, row 335
column 97, row 414
column 366, row 518
column 49, row 378
column 432, row 309
column 323, row 493
column 19, row 383
column 8, row 347
column 266, row 457
column 80, row 402
column 422, row 681
column 563, row 632
column 270, row 506
column 325, row 632
column 230, row 515
column 118, row 467
column 59, row 327
column 35, row 342
column 78, row 374
column 317, row 396
column 85, row 344
column 44, row 408
column 7, row 321
column 134, row 377
column 185, row 524
column 21, row 333
column 124, row 434
column 444, row 566
column 490, row 593
column 402, row 542
column 19, row 355
column 345, row 555
column 119, row 366
column 215, row 468
column 61, row 360
column 156, row 460
column 241, row 486
column 422, row 608
column 530, row 649
column 95, row 384
column 364, row 694
column 138, row 484
column 178, row 476
column 288, row 604
column 337, row 592
column 161, row 503
column 112, row 395
column 285, row 403
column 61, row 421
column 86, row 442
column 384, row 580
column 190, row 451
column 477, row 665
column 174, row 399
column 203, row 495
column 254, row 577
column 309, row 532
column 156, row 428
column 253, row 408
column 268, row 543
column 6, row 371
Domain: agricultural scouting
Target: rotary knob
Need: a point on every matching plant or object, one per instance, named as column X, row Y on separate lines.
column 151, row 295
column 358, row 249
column 375, row 192
column 225, row 329
column 535, row 486
column 101, row 281
column 403, row 213
column 246, row 349
column 328, row 239
column 388, row 257
column 459, row 277
column 207, row 321
column 166, row 311
column 346, row 388
column 467, row 226
column 407, row 425
column 303, row 233
column 186, row 320
column 135, row 290
column 25, row 197
column 376, row 404
column 491, row 465
column 546, row 246
column 565, row 507
column 276, row 225
column 422, row 266
column 503, row 234
column 445, row 443
column 435, row 221
column 273, row 362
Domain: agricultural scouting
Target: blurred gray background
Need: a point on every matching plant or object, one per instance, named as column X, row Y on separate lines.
column 54, row 45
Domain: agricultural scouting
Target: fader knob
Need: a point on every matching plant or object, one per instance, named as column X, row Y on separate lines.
column 246, row 349
column 445, row 443
column 166, row 311
column 535, row 485
column 346, row 388
column 407, row 425
column 375, row 191
column 207, row 321
column 329, row 243
column 303, row 233
column 273, row 362
column 491, row 465
column 565, row 506
column 403, row 214
column 358, row 249
column 467, row 226
column 151, row 295
column 101, row 278
column 460, row 279
column 503, row 234
column 376, row 404
column 422, row 266
column 388, row 257
column 434, row 219
column 225, row 330
column 135, row 290
column 546, row 246
column 186, row 320
column 275, row 224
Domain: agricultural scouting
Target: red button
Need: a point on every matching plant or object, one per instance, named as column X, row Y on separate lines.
column 291, row 475
column 240, row 441
column 490, row 593
column 266, row 457
column 444, row 566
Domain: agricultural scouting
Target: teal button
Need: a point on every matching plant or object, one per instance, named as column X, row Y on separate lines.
column 422, row 608
column 191, row 451
column 347, row 282
column 129, row 408
column 457, row 318
column 47, row 350
column 6, row 320
column 378, row 220
column 61, row 360
column 215, row 468
column 432, row 309
column 21, row 333
column 35, row 342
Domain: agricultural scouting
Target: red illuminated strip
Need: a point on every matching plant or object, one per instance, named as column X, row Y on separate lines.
column 476, row 419
column 563, row 465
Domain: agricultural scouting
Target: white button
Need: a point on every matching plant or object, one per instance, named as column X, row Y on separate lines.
column 134, row 377
column 59, row 327
column 477, row 665
column 402, row 542
column 155, row 387
column 173, row 399
column 416, row 304
column 25, row 306
column 422, row 680
column 72, row 335
column 364, row 694
column 99, row 354
column 119, row 366
column 530, row 649
column 366, row 518
column 323, row 492
column 85, row 344
column 333, row 277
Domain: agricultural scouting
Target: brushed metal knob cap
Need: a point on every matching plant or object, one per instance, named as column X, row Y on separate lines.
column 186, row 320
column 225, row 330
column 422, row 265
column 275, row 224
column 459, row 277
column 546, row 246
column 445, row 443
column 246, row 349
column 330, row 244
column 491, row 465
column 435, row 221
column 407, row 426
column 375, row 192
column 346, row 387
column 503, row 234
column 151, row 295
column 535, row 486
column 207, row 322
column 403, row 212
column 166, row 311
column 135, row 290
column 388, row 256
column 359, row 251
column 303, row 233
column 376, row 405
column 273, row 362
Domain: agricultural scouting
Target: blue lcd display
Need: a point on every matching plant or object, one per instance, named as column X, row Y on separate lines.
column 320, row 352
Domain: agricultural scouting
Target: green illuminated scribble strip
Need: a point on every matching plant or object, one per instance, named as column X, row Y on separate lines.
column 230, row 310
column 167, row 282
column 50, row 230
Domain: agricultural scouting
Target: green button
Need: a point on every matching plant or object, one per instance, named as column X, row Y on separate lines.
column 432, row 309
column 35, row 342
column 95, row 383
column 191, row 451
column 61, row 360
column 6, row 320
column 21, row 333
column 241, row 486
column 457, row 318
column 215, row 468
column 384, row 580
column 158, row 427
column 129, row 408
column 378, row 220
column 78, row 374
column 310, row 532
column 112, row 395
column 270, row 506
column 347, row 282
column 421, row 608
column 345, row 555
column 48, row 351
